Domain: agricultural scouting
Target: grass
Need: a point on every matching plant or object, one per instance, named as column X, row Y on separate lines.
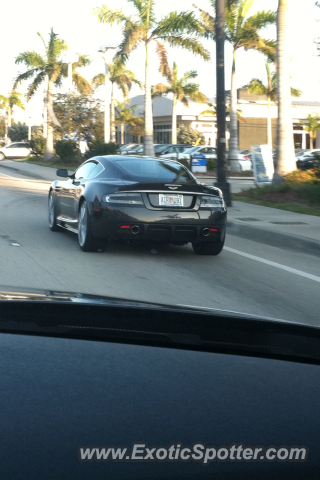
column 299, row 198
column 290, row 207
column 54, row 163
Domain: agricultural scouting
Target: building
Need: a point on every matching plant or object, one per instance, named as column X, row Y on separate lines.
column 252, row 127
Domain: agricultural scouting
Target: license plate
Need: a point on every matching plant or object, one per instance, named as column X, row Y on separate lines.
column 170, row 200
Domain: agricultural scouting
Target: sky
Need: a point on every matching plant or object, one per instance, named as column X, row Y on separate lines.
column 79, row 27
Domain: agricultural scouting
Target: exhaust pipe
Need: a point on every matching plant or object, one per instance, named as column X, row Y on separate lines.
column 206, row 232
column 135, row 229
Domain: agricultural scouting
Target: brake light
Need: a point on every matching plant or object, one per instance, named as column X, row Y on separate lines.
column 214, row 203
column 214, row 230
column 125, row 226
column 246, row 158
column 123, row 198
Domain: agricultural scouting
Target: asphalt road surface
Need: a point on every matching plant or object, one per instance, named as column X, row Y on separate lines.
column 247, row 277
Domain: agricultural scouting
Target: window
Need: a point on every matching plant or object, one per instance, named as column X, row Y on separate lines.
column 96, row 170
column 155, row 170
column 85, row 170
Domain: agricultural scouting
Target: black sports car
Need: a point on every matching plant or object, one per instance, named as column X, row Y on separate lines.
column 137, row 198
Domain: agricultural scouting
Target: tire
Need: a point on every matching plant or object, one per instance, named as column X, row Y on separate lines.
column 207, row 248
column 86, row 240
column 54, row 227
column 2, row 156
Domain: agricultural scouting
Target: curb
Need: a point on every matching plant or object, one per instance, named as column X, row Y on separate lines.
column 274, row 239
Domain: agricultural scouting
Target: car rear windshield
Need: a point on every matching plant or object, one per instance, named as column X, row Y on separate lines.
column 155, row 170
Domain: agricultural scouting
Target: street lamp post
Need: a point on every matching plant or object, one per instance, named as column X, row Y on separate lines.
column 104, row 49
column 222, row 164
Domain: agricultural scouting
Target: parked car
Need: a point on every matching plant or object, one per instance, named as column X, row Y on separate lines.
column 137, row 199
column 15, row 150
column 205, row 151
column 307, row 162
column 169, row 148
column 174, row 151
column 128, row 148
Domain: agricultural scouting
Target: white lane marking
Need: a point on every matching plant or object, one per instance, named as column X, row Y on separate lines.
column 274, row 264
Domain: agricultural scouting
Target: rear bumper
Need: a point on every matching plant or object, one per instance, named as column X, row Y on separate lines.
column 158, row 225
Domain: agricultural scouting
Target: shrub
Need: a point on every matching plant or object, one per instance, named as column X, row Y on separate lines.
column 211, row 164
column 189, row 136
column 18, row 132
column 38, row 146
column 67, row 150
column 97, row 147
column 303, row 176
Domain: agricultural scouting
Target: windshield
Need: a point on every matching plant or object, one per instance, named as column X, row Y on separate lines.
column 220, row 230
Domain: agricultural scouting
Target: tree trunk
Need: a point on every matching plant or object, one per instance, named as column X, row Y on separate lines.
column 112, row 118
column 311, row 141
column 269, row 127
column 233, row 128
column 122, row 134
column 174, row 120
column 285, row 151
column 9, row 117
column 48, row 154
column 148, row 119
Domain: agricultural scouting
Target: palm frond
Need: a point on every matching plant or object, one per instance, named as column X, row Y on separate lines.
column 160, row 89
column 182, row 23
column 146, row 12
column 55, row 47
column 164, row 68
column 31, row 59
column 189, row 75
column 82, row 85
column 24, row 76
column 133, row 33
column 244, row 8
column 208, row 22
column 191, row 44
column 107, row 15
column 213, row 113
column 98, row 80
column 295, row 92
column 260, row 20
column 33, row 87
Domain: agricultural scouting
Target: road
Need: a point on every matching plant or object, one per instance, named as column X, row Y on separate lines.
column 247, row 277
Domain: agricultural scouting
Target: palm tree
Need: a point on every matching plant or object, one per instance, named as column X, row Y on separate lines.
column 50, row 68
column 285, row 158
column 12, row 100
column 124, row 79
column 183, row 91
column 178, row 29
column 242, row 31
column 125, row 116
column 312, row 125
column 269, row 89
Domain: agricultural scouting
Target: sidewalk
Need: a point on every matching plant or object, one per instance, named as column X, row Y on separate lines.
column 270, row 226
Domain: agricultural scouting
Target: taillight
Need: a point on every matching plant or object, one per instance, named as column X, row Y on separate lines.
column 123, row 198
column 246, row 158
column 214, row 203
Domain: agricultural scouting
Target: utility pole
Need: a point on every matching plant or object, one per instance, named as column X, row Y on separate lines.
column 222, row 164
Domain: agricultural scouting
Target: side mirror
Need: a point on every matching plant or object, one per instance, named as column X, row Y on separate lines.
column 62, row 172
